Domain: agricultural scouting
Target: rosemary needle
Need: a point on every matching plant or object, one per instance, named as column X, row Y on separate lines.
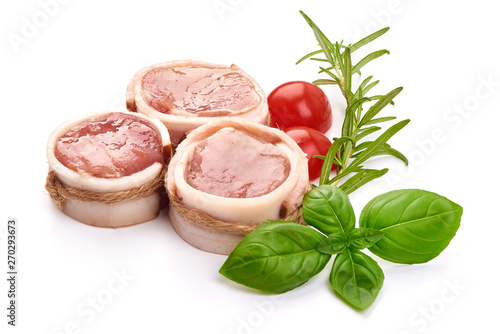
column 351, row 150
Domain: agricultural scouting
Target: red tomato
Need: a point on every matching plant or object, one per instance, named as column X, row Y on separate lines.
column 312, row 142
column 300, row 103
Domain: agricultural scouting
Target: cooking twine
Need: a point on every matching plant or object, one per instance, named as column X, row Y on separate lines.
column 204, row 220
column 60, row 192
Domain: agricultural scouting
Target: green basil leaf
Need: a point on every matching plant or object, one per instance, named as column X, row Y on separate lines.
column 418, row 224
column 357, row 278
column 276, row 257
column 328, row 209
column 361, row 238
column 334, row 244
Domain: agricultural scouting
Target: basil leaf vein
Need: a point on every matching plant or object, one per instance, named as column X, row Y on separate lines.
column 357, row 278
column 328, row 209
column 276, row 257
column 418, row 224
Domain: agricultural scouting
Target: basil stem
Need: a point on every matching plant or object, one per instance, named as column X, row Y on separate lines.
column 335, row 243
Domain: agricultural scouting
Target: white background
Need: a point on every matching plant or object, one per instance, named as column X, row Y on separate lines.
column 79, row 57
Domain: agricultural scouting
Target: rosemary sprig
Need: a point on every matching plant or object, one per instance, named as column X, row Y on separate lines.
column 350, row 151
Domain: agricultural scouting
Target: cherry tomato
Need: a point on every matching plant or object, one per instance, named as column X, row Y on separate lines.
column 312, row 142
column 299, row 103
